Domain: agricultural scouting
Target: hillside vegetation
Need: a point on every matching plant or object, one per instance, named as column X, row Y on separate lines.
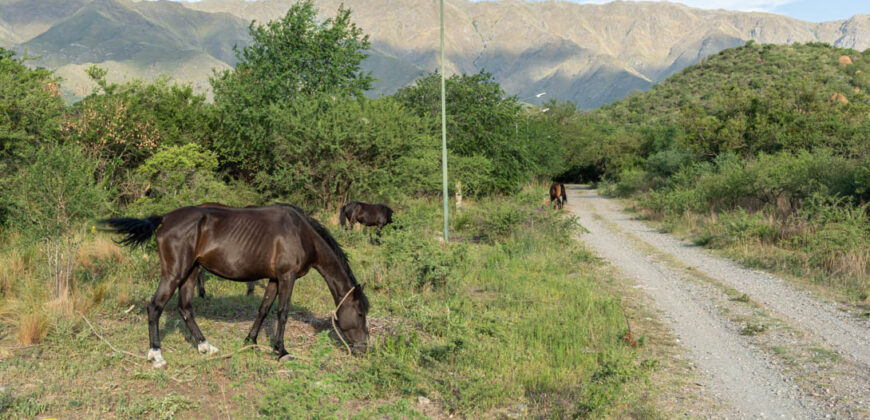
column 590, row 54
column 762, row 149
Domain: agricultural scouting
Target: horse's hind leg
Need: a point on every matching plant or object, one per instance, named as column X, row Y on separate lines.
column 378, row 240
column 168, row 284
column 200, row 287
column 268, row 298
column 185, row 309
column 285, row 290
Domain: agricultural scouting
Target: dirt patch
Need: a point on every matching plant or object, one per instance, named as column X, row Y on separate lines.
column 844, row 60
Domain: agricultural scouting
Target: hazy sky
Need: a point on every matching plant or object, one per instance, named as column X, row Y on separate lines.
column 811, row 10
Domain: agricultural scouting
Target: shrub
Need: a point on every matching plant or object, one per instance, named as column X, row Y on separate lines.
column 422, row 258
column 667, row 162
column 178, row 176
column 51, row 197
column 631, row 181
column 330, row 149
column 55, row 191
column 30, row 106
column 122, row 125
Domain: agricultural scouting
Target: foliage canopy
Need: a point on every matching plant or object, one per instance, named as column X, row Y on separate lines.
column 290, row 58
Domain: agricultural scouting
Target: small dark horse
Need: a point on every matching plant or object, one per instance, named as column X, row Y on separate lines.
column 277, row 242
column 366, row 214
column 558, row 194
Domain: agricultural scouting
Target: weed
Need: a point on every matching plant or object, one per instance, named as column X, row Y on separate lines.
column 753, row 328
column 744, row 298
column 164, row 408
column 19, row 406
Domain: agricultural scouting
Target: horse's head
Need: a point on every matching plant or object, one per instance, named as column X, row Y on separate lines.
column 352, row 319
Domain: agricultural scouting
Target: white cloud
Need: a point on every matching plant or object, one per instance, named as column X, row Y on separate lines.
column 744, row 5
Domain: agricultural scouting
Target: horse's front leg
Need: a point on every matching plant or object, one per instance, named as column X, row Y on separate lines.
column 268, row 298
column 285, row 290
column 185, row 309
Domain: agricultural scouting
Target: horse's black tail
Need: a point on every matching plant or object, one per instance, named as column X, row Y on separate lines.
column 342, row 215
column 137, row 231
column 564, row 193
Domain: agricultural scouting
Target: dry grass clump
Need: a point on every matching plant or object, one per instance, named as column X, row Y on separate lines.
column 99, row 249
column 13, row 267
column 30, row 301
column 32, row 328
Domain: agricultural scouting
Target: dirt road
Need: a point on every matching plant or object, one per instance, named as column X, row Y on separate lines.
column 762, row 348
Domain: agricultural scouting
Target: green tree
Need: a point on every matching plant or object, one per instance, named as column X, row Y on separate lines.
column 296, row 55
column 481, row 122
column 31, row 107
column 332, row 149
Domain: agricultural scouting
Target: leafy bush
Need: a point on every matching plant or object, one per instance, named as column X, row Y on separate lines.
column 51, row 197
column 55, row 191
column 30, row 106
column 426, row 262
column 483, row 125
column 358, row 149
column 178, row 176
column 122, row 125
column 631, row 181
column 667, row 162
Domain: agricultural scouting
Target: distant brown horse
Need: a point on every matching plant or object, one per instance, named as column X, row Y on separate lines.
column 277, row 242
column 558, row 194
column 366, row 214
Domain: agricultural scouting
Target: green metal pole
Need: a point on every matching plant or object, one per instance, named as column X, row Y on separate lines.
column 444, row 131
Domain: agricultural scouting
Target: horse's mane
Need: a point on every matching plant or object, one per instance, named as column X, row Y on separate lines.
column 336, row 248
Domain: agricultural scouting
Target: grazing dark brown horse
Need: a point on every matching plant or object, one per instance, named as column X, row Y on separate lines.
column 200, row 282
column 200, row 285
column 366, row 214
column 558, row 194
column 277, row 242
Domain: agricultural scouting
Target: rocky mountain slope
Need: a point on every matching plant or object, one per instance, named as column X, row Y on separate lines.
column 590, row 54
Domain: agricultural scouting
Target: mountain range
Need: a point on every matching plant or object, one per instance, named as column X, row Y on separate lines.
column 589, row 54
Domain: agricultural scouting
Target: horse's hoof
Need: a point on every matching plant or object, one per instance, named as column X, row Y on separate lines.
column 250, row 341
column 206, row 348
column 155, row 356
column 286, row 358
